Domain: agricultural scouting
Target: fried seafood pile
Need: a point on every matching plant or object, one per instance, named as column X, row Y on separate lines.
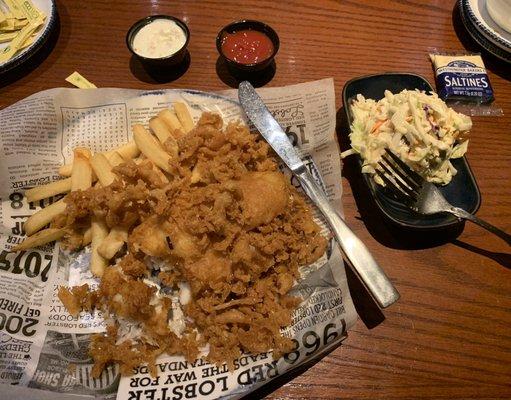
column 213, row 248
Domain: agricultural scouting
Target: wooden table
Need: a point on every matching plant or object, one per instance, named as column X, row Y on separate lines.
column 449, row 336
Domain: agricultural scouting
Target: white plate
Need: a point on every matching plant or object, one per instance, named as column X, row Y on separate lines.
column 486, row 44
column 48, row 7
column 476, row 11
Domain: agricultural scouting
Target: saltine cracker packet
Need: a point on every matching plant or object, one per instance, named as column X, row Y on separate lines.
column 463, row 83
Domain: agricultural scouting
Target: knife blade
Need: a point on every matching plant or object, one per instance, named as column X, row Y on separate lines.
column 360, row 259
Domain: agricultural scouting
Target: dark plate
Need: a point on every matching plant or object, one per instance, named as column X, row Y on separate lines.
column 462, row 191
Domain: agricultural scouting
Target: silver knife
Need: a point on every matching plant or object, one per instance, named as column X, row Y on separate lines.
column 362, row 262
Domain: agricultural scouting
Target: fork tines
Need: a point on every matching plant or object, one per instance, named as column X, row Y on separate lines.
column 399, row 178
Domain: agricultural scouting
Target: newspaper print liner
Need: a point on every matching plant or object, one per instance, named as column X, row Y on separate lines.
column 321, row 321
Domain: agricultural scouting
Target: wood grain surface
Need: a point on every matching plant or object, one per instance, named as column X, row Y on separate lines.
column 449, row 336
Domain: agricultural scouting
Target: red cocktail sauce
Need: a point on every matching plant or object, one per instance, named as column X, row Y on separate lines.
column 247, row 46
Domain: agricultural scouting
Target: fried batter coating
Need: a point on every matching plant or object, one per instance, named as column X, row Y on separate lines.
column 228, row 223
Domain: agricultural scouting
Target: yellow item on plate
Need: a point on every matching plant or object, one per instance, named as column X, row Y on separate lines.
column 7, row 36
column 19, row 40
column 14, row 8
column 28, row 10
column 19, row 26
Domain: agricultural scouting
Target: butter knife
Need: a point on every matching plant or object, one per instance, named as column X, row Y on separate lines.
column 361, row 260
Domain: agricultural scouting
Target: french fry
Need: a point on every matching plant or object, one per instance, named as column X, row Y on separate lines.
column 162, row 133
column 43, row 217
column 128, row 151
column 51, row 189
column 150, row 147
column 81, row 175
column 114, row 159
column 102, row 169
column 160, row 129
column 99, row 233
column 66, row 169
column 87, row 236
column 184, row 116
column 40, row 238
column 113, row 242
column 171, row 120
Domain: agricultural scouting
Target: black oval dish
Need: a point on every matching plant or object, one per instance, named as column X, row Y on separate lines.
column 252, row 25
column 462, row 191
column 152, row 63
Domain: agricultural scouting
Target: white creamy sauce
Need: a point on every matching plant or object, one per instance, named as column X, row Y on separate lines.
column 160, row 38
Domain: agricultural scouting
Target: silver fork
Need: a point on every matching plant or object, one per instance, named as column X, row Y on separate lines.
column 421, row 196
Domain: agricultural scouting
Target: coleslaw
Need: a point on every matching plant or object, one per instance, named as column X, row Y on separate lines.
column 418, row 127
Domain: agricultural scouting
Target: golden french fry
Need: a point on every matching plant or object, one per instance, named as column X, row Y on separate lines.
column 81, row 176
column 43, row 217
column 102, row 169
column 40, row 238
column 66, row 169
column 87, row 237
column 170, row 119
column 99, row 233
column 160, row 129
column 51, row 189
column 114, row 159
column 150, row 147
column 113, row 242
column 184, row 116
column 128, row 151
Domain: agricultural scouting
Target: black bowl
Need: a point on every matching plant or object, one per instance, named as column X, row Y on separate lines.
column 251, row 25
column 163, row 62
column 462, row 191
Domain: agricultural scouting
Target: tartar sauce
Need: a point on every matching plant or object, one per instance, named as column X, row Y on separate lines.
column 158, row 39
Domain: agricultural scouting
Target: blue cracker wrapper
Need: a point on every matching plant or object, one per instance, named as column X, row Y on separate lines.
column 462, row 77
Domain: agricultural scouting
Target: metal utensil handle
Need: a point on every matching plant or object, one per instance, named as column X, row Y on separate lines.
column 460, row 213
column 364, row 265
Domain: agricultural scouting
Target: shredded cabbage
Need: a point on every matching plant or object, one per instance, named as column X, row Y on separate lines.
column 420, row 128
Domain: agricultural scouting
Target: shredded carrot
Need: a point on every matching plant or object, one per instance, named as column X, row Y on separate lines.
column 377, row 125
